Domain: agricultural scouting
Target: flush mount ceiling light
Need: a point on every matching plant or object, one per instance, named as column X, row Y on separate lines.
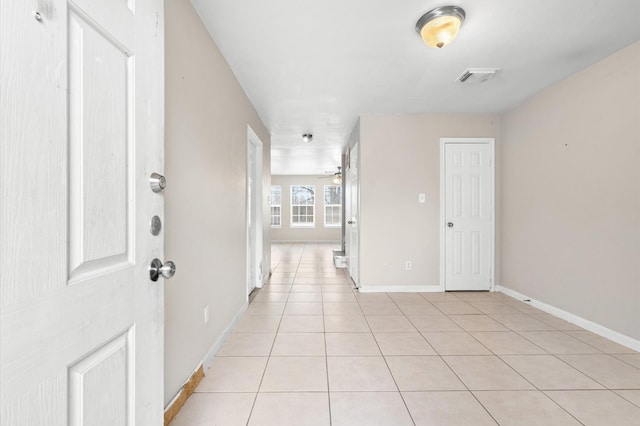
column 439, row 26
column 307, row 138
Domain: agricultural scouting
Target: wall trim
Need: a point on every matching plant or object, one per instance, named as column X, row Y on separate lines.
column 400, row 289
column 575, row 319
column 217, row 345
column 305, row 241
column 173, row 407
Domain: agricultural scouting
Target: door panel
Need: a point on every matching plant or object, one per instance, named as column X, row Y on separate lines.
column 81, row 128
column 468, row 216
column 353, row 219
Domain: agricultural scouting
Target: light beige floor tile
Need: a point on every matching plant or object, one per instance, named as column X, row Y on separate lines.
column 632, row 396
column 368, row 409
column 427, row 323
column 258, row 324
column 599, row 342
column 453, row 408
column 455, row 343
column 298, row 344
column 548, row 372
column 406, row 297
column 345, row 324
column 422, row 373
column 411, row 343
column 359, row 374
column 474, row 296
column 376, row 308
column 596, row 408
column 351, row 344
column 303, row 308
column 524, row 408
column 291, row 409
column 233, row 374
column 342, row 308
column 506, row 343
column 418, row 308
column 558, row 342
column 305, row 297
column 522, row 322
column 455, row 308
column 486, row 373
column 372, row 297
column 441, row 296
column 301, row 324
column 389, row 323
column 319, row 280
column 606, row 370
column 557, row 323
column 295, row 374
column 247, row 344
column 341, row 288
column 276, row 288
column 206, row 409
column 338, row 297
column 631, row 359
column 477, row 323
column 525, row 308
column 306, row 289
column 270, row 297
column 494, row 308
column 265, row 309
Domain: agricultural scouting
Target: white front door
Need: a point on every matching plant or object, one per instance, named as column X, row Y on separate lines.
column 254, row 211
column 352, row 247
column 468, row 215
column 81, row 130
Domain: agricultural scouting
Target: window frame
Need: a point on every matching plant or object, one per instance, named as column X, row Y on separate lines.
column 272, row 205
column 337, row 224
column 293, row 205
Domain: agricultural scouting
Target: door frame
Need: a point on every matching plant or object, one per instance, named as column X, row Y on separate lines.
column 492, row 185
column 254, row 210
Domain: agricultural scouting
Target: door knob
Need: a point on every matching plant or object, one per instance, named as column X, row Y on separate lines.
column 450, row 224
column 350, row 222
column 156, row 269
column 157, row 182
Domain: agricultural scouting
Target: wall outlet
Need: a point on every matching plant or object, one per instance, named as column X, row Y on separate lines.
column 408, row 265
column 205, row 314
column 422, row 198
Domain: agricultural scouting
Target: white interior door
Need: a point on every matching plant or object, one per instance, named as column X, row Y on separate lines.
column 353, row 218
column 254, row 211
column 81, row 126
column 468, row 216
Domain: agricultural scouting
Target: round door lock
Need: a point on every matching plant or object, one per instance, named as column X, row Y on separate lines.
column 156, row 269
column 156, row 225
column 157, row 182
column 450, row 224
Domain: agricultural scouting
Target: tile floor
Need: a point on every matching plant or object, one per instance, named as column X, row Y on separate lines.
column 310, row 350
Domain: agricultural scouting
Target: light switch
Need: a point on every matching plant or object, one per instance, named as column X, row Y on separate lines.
column 422, row 198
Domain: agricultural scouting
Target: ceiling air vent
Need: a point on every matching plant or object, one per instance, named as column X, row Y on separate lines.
column 477, row 75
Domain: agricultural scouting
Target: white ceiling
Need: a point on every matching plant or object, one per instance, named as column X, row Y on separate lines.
column 315, row 66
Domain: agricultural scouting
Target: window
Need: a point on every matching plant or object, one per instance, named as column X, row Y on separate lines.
column 332, row 205
column 303, row 205
column 276, row 206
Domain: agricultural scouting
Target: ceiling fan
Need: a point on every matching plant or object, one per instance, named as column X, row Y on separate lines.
column 337, row 176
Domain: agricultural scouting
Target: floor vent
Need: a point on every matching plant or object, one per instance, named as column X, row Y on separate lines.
column 477, row 75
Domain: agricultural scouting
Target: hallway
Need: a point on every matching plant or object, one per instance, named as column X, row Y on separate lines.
column 310, row 350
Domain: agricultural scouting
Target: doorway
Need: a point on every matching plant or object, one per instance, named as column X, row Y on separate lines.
column 467, row 213
column 254, row 211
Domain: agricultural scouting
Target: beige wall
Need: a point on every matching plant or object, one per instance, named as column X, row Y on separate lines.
column 207, row 114
column 319, row 232
column 399, row 159
column 571, row 194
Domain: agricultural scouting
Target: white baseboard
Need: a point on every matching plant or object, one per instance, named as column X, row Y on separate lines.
column 400, row 289
column 217, row 345
column 306, row 241
column 574, row 319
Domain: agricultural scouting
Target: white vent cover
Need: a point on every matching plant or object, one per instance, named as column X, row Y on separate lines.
column 477, row 75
